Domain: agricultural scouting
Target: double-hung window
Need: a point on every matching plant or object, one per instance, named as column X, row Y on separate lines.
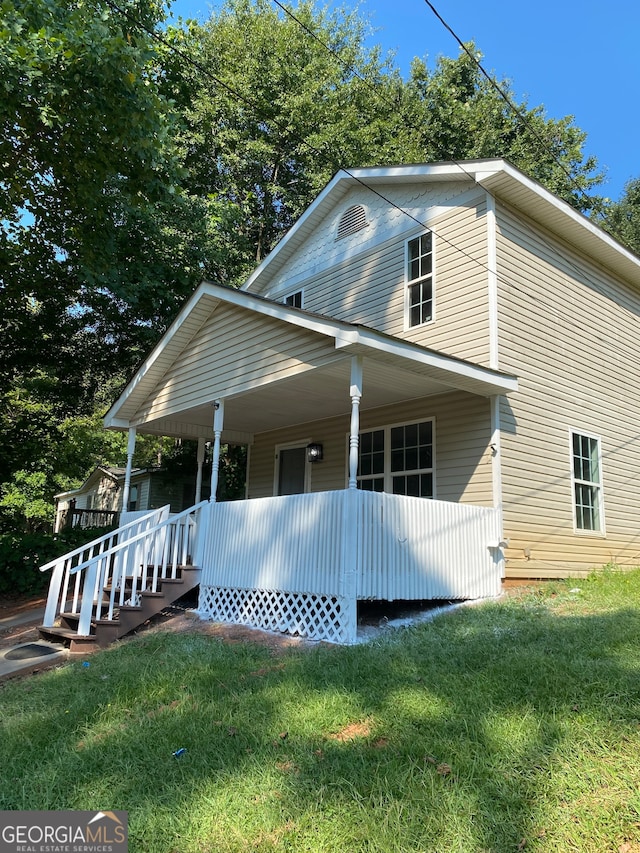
column 419, row 280
column 397, row 459
column 587, row 482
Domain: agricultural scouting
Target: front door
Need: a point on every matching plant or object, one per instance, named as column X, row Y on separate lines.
column 292, row 470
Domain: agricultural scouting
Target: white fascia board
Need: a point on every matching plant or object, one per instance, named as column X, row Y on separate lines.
column 561, row 206
column 428, row 358
column 278, row 310
column 300, row 223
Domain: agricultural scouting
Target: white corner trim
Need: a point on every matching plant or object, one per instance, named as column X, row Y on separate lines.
column 492, row 283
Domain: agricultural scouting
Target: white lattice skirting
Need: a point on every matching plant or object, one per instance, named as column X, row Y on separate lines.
column 310, row 615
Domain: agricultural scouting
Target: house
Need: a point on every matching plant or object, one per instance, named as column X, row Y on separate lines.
column 435, row 372
column 98, row 501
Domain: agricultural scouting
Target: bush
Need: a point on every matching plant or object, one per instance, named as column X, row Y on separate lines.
column 22, row 554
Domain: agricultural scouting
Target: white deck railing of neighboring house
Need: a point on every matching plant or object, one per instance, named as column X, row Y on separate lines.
column 122, row 564
column 299, row 563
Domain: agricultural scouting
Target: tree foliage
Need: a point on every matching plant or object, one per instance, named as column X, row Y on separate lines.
column 622, row 218
column 457, row 114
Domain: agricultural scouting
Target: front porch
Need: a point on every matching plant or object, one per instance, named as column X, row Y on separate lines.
column 294, row 563
column 414, row 514
column 300, row 563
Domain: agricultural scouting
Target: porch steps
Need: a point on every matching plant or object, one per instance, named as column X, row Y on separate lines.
column 127, row 617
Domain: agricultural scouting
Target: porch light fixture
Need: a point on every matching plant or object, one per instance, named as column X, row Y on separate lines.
column 314, row 453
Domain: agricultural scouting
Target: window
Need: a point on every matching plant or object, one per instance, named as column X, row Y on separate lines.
column 397, row 459
column 133, row 499
column 294, row 299
column 420, row 280
column 587, row 482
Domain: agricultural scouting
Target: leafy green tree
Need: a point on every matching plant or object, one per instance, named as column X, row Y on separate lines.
column 271, row 113
column 456, row 113
column 622, row 218
column 274, row 104
column 98, row 243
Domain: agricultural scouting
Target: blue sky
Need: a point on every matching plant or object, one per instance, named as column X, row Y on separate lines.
column 574, row 57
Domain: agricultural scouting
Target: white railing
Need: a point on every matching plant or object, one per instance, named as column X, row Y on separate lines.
column 133, row 559
column 412, row 549
column 344, row 545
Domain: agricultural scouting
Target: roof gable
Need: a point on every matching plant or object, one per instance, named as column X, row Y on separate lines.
column 394, row 187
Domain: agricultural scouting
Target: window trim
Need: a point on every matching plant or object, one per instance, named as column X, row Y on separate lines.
column 388, row 474
column 408, row 283
column 583, row 531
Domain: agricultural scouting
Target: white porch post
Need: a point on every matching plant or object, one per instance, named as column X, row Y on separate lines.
column 218, row 422
column 496, row 471
column 200, row 460
column 354, row 433
column 131, row 446
column 350, row 530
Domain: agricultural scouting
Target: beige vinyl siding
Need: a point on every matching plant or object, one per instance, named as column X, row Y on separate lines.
column 233, row 352
column 391, row 209
column 570, row 331
column 370, row 288
column 363, row 290
column 463, row 466
column 461, row 306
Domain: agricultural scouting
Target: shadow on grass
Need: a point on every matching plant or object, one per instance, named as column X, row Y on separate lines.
column 478, row 732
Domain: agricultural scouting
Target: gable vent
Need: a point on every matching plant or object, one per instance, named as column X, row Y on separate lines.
column 353, row 219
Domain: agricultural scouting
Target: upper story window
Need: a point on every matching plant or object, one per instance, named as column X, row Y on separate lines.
column 397, row 459
column 587, row 482
column 353, row 219
column 419, row 277
column 294, row 299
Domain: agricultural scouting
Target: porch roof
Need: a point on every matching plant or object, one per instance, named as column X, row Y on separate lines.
column 304, row 369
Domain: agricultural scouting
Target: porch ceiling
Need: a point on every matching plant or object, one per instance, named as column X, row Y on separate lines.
column 311, row 396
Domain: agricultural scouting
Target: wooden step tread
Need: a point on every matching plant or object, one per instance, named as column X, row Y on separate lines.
column 65, row 633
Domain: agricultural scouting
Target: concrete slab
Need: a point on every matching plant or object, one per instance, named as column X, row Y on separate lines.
column 29, row 657
column 33, row 615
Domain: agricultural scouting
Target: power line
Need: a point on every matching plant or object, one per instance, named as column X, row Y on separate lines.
column 522, row 116
column 303, row 142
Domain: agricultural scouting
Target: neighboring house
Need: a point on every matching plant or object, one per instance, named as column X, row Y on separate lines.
column 436, row 373
column 98, row 501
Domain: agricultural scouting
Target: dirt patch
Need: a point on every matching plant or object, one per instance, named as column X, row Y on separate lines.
column 182, row 621
column 353, row 731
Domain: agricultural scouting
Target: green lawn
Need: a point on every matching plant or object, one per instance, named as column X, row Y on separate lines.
column 501, row 727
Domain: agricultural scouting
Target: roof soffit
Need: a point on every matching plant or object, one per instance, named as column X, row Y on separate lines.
column 443, row 372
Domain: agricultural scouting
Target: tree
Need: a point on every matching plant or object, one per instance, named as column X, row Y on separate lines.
column 274, row 104
column 456, row 113
column 271, row 113
column 622, row 218
column 98, row 243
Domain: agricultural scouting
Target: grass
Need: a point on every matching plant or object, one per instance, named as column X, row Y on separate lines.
column 503, row 727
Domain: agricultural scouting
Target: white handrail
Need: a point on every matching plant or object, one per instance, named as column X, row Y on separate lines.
column 113, row 565
column 144, row 533
column 71, row 554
